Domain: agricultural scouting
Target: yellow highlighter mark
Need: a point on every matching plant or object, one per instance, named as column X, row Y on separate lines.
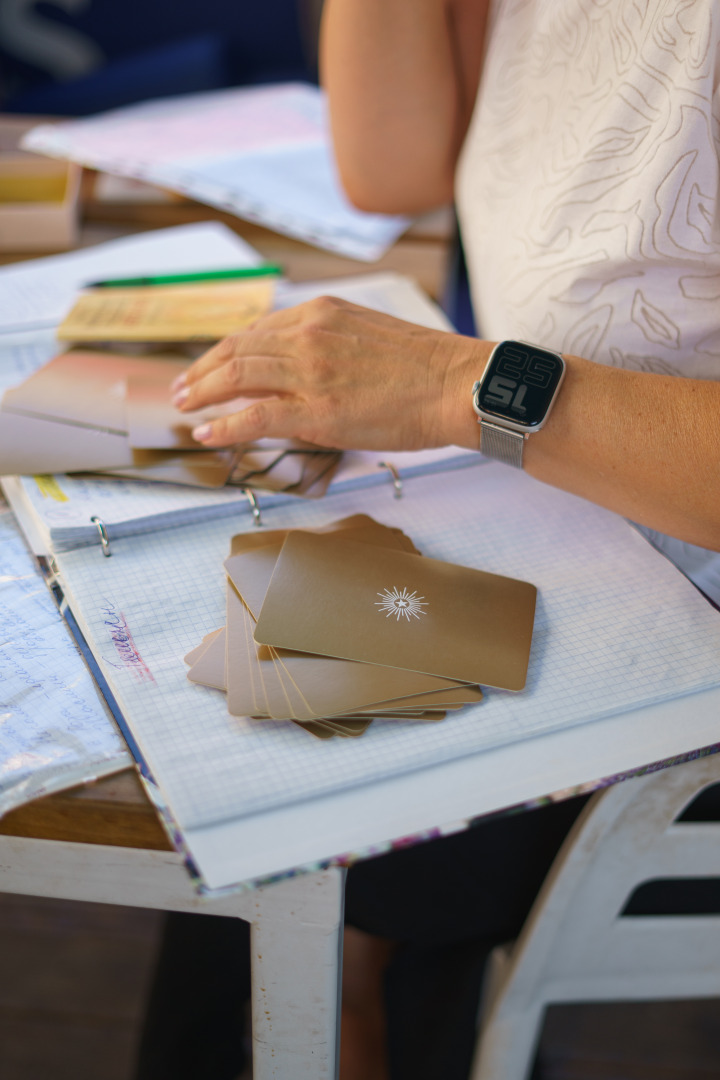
column 50, row 489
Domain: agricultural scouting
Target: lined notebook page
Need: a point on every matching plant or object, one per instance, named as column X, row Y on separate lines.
column 617, row 627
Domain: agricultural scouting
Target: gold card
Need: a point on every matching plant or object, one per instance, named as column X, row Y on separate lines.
column 310, row 686
column 325, row 696
column 69, row 415
column 152, row 421
column 250, row 572
column 254, row 687
column 254, row 538
column 194, row 655
column 207, row 661
column 204, row 311
column 196, row 468
column 326, row 686
column 335, row 597
column 87, row 386
column 279, row 685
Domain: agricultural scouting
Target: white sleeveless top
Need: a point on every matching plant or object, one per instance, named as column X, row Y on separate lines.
column 587, row 189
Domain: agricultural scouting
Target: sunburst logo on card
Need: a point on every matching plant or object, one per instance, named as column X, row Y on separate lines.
column 401, row 604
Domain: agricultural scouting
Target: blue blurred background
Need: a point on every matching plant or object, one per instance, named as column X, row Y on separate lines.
column 76, row 57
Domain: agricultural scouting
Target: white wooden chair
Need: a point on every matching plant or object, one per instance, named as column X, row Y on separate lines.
column 576, row 945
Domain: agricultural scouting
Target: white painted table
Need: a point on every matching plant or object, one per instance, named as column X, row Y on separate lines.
column 296, row 923
column 296, row 938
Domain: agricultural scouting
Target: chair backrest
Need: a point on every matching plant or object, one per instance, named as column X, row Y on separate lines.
column 578, row 944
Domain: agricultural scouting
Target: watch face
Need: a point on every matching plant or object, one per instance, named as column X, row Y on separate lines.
column 519, row 383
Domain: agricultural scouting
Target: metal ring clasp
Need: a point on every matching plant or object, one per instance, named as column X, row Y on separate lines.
column 104, row 538
column 254, row 505
column 395, row 475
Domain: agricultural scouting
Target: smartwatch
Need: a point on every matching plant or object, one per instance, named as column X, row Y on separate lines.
column 514, row 396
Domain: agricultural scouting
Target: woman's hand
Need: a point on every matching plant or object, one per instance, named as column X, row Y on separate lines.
column 644, row 445
column 338, row 375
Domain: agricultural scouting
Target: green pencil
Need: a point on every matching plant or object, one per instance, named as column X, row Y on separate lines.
column 265, row 270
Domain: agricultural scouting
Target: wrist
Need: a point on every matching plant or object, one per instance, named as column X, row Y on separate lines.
column 458, row 421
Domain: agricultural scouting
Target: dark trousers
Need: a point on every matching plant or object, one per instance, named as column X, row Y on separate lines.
column 449, row 902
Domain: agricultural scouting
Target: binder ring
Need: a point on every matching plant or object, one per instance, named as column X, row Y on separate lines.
column 395, row 475
column 254, row 505
column 104, row 539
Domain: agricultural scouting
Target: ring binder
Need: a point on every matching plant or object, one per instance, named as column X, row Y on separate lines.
column 104, row 539
column 395, row 476
column 254, row 505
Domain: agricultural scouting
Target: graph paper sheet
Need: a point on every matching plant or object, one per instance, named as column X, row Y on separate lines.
column 617, row 628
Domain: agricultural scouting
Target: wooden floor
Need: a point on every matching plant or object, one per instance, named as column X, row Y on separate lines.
column 75, row 977
column 72, row 989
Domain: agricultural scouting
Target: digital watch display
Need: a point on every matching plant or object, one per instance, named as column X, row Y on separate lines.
column 514, row 396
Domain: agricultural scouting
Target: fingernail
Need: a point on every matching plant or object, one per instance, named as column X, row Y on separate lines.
column 201, row 433
column 180, row 396
column 177, row 384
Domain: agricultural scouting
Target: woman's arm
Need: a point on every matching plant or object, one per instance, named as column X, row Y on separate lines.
column 646, row 446
column 401, row 77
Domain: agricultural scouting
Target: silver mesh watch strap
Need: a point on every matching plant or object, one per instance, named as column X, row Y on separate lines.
column 501, row 444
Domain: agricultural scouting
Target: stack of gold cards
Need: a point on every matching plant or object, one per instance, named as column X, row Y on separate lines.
column 91, row 410
column 333, row 627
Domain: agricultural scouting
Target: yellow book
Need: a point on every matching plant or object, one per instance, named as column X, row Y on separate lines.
column 203, row 311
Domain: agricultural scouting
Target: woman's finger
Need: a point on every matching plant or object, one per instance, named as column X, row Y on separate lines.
column 239, row 376
column 267, row 418
column 270, row 333
column 259, row 336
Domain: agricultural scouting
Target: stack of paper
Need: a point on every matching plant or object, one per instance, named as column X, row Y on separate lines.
column 263, row 153
column 88, row 411
column 334, row 626
column 39, row 293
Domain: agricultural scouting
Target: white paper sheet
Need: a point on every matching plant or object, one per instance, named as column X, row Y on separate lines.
column 394, row 294
column 55, row 731
column 40, row 292
column 23, row 353
column 261, row 153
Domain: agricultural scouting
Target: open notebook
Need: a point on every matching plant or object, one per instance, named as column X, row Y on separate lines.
column 617, row 628
column 56, row 512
